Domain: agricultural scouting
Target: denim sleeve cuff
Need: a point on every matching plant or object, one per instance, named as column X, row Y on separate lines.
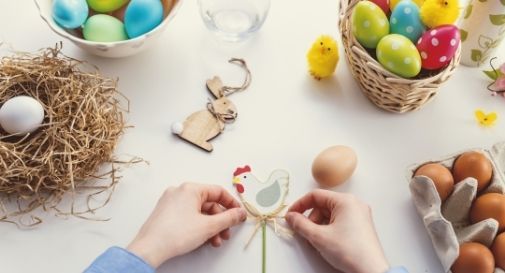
column 119, row 260
column 397, row 270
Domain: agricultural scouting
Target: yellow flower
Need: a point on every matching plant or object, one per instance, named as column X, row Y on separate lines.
column 486, row 120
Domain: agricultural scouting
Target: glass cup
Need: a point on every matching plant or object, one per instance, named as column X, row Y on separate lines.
column 234, row 20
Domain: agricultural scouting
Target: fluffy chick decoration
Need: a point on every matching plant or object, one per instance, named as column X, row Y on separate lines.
column 435, row 13
column 323, row 57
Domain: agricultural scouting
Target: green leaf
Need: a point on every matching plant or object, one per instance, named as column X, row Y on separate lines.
column 464, row 34
column 468, row 11
column 476, row 55
column 485, row 42
column 492, row 74
column 502, row 2
column 498, row 19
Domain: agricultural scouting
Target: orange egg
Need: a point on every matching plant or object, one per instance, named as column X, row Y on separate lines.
column 489, row 205
column 473, row 164
column 473, row 258
column 498, row 249
column 441, row 177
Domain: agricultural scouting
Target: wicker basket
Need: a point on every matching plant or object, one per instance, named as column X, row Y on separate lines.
column 385, row 89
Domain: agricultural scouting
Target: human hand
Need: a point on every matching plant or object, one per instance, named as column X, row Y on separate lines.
column 341, row 228
column 185, row 218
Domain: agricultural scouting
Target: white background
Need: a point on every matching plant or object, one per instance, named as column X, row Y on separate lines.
column 285, row 119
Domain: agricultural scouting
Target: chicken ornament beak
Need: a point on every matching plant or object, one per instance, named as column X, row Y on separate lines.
column 237, row 184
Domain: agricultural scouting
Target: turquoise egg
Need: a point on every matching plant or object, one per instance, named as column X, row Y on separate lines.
column 405, row 20
column 70, row 13
column 399, row 55
column 142, row 16
column 104, row 28
column 369, row 24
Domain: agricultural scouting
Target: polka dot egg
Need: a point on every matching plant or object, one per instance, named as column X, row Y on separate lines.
column 405, row 20
column 399, row 55
column 438, row 46
column 369, row 24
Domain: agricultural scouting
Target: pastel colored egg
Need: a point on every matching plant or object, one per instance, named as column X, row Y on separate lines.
column 399, row 55
column 106, row 5
column 393, row 3
column 438, row 46
column 21, row 115
column 142, row 16
column 70, row 13
column 369, row 24
column 104, row 28
column 383, row 4
column 405, row 20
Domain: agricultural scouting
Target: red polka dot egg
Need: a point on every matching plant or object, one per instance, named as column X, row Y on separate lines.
column 438, row 46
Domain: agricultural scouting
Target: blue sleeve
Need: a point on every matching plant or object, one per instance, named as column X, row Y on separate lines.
column 397, row 270
column 119, row 260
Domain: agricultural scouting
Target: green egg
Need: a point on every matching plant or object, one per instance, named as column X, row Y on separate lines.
column 399, row 55
column 104, row 28
column 106, row 5
column 369, row 24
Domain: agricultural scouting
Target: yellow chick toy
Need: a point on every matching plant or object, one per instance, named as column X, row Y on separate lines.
column 323, row 57
column 435, row 13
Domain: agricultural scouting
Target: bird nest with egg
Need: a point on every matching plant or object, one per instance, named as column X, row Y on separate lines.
column 69, row 143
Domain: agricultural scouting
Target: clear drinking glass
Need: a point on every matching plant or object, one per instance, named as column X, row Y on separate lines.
column 234, row 20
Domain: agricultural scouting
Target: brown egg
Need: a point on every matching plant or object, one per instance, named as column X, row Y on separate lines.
column 498, row 249
column 473, row 164
column 441, row 177
column 334, row 166
column 473, row 258
column 489, row 205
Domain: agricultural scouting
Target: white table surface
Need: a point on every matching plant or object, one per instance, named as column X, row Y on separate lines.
column 285, row 119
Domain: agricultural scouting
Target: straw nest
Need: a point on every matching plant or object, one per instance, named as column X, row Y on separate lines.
column 70, row 151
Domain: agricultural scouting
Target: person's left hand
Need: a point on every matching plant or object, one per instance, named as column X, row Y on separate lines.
column 185, row 218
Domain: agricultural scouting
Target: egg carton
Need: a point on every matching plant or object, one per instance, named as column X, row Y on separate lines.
column 448, row 223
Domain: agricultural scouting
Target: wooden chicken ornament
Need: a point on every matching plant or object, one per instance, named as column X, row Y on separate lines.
column 266, row 197
column 202, row 126
column 264, row 201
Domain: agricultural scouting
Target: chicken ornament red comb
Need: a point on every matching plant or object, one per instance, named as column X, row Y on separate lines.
column 263, row 200
column 239, row 171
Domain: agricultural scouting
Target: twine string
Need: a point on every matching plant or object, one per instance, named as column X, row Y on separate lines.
column 227, row 118
column 228, row 90
column 269, row 219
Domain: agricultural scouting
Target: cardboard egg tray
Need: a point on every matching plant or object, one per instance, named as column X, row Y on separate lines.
column 448, row 223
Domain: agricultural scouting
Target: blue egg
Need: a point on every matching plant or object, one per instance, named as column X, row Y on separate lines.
column 70, row 13
column 405, row 20
column 142, row 16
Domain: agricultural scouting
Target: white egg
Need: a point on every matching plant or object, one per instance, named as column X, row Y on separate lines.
column 21, row 115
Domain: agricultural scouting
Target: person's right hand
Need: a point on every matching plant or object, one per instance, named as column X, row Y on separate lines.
column 341, row 228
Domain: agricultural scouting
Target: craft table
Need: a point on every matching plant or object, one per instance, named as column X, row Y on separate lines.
column 285, row 119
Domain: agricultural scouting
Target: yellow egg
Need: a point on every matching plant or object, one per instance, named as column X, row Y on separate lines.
column 334, row 166
column 369, row 24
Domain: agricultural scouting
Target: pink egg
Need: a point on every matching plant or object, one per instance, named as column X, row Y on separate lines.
column 383, row 4
column 438, row 46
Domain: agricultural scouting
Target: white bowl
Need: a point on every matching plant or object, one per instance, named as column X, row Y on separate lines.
column 111, row 49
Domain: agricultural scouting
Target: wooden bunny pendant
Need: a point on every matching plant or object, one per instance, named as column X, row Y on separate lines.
column 202, row 126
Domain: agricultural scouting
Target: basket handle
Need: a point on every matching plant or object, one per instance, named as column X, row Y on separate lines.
column 344, row 7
